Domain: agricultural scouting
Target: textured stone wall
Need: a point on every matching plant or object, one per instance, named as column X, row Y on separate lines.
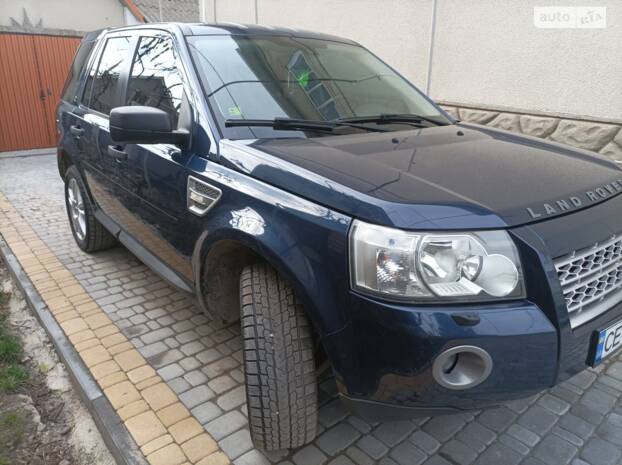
column 605, row 138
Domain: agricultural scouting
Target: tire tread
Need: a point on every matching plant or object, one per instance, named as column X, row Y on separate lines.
column 278, row 361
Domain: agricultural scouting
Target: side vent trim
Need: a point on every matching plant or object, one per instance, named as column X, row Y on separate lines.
column 201, row 196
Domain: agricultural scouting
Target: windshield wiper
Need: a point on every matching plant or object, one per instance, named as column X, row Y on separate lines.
column 291, row 124
column 392, row 118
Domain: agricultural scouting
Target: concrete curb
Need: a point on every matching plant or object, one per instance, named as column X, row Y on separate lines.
column 117, row 438
column 28, row 153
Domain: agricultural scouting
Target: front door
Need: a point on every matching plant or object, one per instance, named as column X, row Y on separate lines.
column 157, row 173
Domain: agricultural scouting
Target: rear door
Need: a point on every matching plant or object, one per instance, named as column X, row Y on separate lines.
column 69, row 112
column 102, row 166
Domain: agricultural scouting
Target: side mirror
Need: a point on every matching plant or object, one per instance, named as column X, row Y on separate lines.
column 144, row 125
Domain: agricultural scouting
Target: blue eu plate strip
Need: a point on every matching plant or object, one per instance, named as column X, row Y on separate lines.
column 600, row 347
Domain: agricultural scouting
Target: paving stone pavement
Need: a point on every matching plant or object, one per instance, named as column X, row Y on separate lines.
column 577, row 422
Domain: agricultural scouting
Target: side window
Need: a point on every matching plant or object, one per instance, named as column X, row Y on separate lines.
column 102, row 85
column 154, row 79
column 71, row 84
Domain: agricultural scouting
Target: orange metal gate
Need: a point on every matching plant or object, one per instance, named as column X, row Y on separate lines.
column 32, row 73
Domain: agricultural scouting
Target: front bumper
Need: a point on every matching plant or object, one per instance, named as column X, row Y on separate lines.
column 383, row 358
column 397, row 345
column 389, row 375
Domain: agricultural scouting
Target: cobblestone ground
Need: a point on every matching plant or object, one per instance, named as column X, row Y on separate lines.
column 578, row 422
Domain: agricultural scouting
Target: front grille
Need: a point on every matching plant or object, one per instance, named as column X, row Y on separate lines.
column 591, row 280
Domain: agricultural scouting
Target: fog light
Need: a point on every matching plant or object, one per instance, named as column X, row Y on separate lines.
column 462, row 367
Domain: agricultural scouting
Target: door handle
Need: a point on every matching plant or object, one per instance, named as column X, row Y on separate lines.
column 76, row 130
column 117, row 152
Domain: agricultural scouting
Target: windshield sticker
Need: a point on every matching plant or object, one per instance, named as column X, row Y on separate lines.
column 235, row 111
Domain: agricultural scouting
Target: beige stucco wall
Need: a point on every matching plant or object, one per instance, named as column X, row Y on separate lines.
column 486, row 53
column 76, row 15
column 489, row 53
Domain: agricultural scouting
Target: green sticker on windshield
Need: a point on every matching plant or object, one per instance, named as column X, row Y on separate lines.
column 235, row 111
column 303, row 78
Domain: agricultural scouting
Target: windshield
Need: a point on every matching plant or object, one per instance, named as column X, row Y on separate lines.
column 288, row 77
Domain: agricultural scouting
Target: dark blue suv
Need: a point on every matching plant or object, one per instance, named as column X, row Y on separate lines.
column 295, row 182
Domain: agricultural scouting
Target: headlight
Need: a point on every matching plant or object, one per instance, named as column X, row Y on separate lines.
column 463, row 266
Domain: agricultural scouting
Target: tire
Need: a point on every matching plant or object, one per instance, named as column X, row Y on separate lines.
column 281, row 386
column 88, row 232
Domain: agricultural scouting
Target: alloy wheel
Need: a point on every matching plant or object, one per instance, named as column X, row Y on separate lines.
column 76, row 209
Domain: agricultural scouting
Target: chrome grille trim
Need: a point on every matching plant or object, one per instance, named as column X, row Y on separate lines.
column 591, row 280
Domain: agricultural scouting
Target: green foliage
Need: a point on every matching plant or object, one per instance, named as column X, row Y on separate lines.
column 10, row 348
column 11, row 425
column 11, row 420
column 44, row 367
column 12, row 377
column 12, row 374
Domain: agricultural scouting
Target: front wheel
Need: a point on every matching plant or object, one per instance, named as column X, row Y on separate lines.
column 281, row 389
column 89, row 233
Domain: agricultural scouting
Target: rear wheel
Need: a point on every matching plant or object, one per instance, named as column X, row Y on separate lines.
column 281, row 388
column 90, row 234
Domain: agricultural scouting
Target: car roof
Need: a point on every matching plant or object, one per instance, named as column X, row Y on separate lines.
column 251, row 30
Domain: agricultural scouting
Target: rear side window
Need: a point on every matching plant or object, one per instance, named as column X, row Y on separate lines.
column 73, row 78
column 102, row 85
column 155, row 80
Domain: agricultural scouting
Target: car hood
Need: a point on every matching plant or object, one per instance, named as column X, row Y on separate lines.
column 447, row 177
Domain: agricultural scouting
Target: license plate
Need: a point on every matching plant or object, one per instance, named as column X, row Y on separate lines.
column 609, row 341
